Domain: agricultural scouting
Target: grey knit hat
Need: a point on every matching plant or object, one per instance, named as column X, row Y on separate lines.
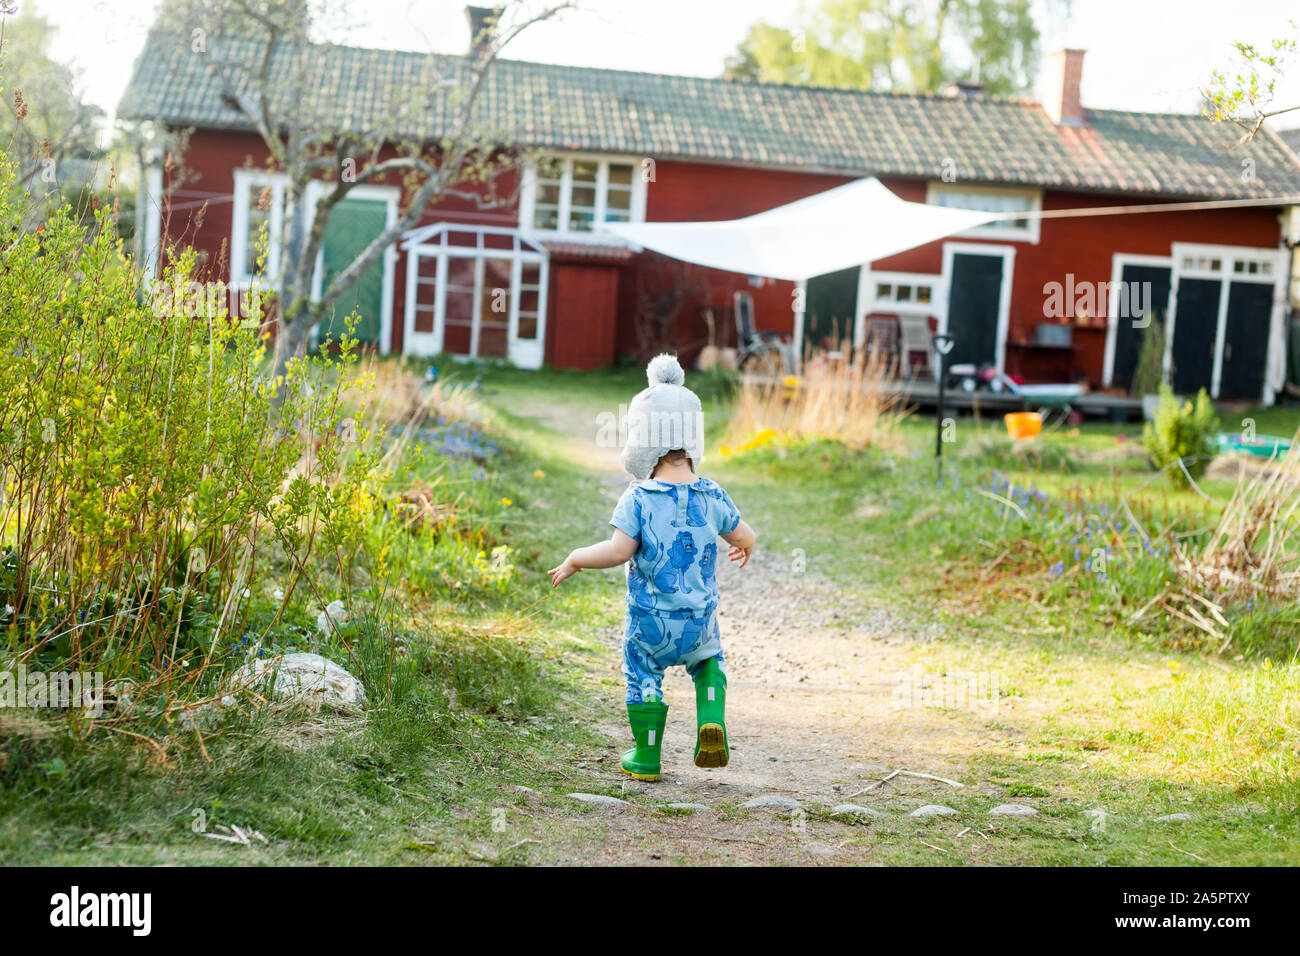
column 663, row 418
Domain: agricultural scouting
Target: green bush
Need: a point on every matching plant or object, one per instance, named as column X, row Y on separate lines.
column 1182, row 432
column 146, row 464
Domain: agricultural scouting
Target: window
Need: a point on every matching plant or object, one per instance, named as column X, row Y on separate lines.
column 992, row 199
column 259, row 209
column 912, row 293
column 574, row 194
column 903, row 292
column 530, row 299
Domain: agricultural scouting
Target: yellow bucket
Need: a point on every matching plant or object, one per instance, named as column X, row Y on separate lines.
column 1023, row 424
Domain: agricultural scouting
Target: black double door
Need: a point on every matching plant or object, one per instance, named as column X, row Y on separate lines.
column 1245, row 337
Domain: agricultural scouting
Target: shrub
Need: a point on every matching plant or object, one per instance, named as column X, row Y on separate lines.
column 1180, row 441
column 144, row 457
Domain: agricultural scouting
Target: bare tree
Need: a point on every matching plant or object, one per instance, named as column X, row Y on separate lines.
column 271, row 69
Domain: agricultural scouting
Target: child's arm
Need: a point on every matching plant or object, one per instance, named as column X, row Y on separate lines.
column 742, row 543
column 604, row 554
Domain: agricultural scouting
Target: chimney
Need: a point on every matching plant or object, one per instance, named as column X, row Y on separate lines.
column 482, row 26
column 967, row 89
column 1062, row 76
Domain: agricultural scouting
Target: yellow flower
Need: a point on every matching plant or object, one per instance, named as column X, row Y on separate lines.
column 507, row 502
column 539, row 474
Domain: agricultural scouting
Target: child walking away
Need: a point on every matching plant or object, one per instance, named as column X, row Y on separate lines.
column 666, row 527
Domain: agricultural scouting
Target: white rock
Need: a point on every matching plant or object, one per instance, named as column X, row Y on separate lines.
column 934, row 810
column 688, row 806
column 853, row 810
column 599, row 798
column 773, row 800
column 335, row 611
column 1173, row 818
column 1013, row 810
column 303, row 678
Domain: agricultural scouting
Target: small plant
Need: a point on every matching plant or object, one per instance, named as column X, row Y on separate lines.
column 1181, row 439
column 1150, row 374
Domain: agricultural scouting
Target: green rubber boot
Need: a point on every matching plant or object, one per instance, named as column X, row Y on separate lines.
column 647, row 721
column 710, row 709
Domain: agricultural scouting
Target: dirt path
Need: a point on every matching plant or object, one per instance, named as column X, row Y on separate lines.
column 812, row 716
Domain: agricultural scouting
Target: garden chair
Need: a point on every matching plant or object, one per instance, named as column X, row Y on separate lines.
column 914, row 351
column 757, row 351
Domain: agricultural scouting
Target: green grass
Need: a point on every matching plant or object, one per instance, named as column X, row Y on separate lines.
column 501, row 690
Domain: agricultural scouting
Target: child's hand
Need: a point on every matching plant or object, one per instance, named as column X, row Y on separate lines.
column 740, row 554
column 567, row 569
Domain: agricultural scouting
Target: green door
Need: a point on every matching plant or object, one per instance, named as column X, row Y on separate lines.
column 353, row 225
column 831, row 308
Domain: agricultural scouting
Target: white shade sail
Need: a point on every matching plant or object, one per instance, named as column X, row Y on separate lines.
column 849, row 225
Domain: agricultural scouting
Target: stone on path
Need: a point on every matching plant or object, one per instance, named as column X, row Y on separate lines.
column 934, row 810
column 773, row 800
column 687, row 806
column 1013, row 810
column 1173, row 818
column 599, row 798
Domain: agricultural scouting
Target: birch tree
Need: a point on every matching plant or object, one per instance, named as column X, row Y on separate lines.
column 266, row 57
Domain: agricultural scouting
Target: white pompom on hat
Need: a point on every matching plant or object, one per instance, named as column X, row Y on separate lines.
column 664, row 417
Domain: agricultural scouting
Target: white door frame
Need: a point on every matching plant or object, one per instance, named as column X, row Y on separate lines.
column 1118, row 261
column 1008, row 254
column 390, row 195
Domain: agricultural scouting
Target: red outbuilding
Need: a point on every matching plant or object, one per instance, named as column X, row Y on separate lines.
column 534, row 281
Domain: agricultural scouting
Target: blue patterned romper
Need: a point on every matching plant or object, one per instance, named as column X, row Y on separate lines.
column 672, row 594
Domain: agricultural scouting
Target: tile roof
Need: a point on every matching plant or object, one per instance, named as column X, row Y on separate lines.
column 984, row 139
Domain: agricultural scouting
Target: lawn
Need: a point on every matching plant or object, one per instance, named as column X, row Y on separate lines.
column 513, row 700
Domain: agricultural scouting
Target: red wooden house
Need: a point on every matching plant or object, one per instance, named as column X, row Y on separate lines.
column 536, row 282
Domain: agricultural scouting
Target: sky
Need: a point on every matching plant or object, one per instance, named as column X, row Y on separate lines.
column 1142, row 54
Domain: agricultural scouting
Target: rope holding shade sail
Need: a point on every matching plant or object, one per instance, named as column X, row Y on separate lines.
column 850, row 225
column 843, row 227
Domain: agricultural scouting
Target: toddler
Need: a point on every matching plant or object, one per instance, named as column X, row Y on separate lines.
column 666, row 527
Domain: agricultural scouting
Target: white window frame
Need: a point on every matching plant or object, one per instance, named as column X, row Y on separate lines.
column 528, row 195
column 1275, row 360
column 244, row 180
column 868, row 302
column 1029, row 233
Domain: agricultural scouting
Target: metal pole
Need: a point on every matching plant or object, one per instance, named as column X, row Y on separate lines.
column 943, row 343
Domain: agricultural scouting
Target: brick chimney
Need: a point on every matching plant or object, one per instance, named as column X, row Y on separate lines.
column 1062, row 77
column 482, row 26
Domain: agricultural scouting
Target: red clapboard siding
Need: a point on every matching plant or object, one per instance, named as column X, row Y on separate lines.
column 1084, row 246
column 693, row 192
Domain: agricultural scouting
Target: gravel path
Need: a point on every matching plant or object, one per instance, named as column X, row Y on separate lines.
column 812, row 717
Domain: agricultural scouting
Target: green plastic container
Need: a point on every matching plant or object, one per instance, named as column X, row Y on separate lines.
column 1261, row 446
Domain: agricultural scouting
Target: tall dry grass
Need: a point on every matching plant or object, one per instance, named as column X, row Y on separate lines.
column 850, row 396
column 1251, row 558
column 1253, row 551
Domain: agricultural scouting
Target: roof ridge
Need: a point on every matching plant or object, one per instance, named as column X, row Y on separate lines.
column 1011, row 100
